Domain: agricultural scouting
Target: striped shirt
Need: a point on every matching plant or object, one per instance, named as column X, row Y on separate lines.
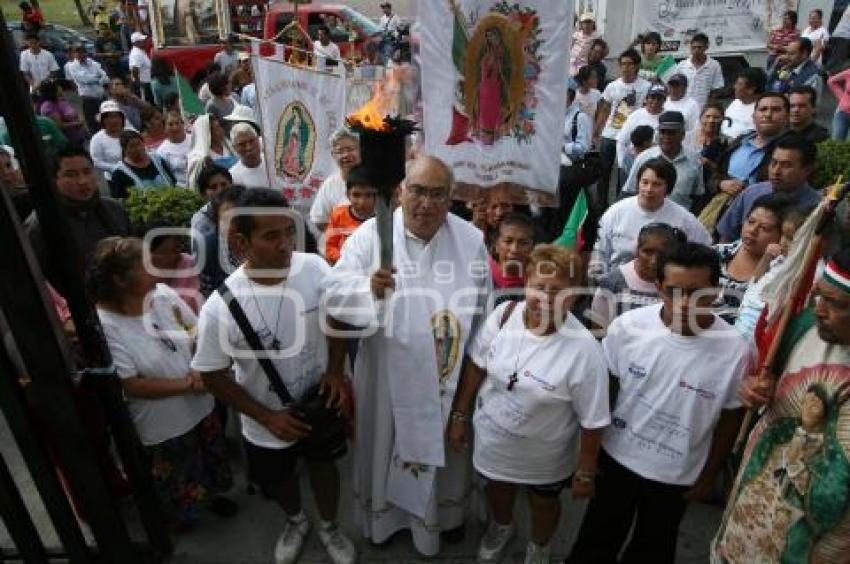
column 701, row 80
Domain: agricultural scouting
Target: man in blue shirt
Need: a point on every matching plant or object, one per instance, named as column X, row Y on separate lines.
column 791, row 164
column 746, row 160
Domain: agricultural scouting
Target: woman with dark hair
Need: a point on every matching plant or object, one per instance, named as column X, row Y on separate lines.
column 163, row 81
column 212, row 180
column 633, row 284
column 217, row 263
column 56, row 107
column 209, row 143
column 138, row 168
column 740, row 260
column 150, row 332
column 175, row 148
column 222, row 102
column 620, row 225
column 654, row 67
column 153, row 127
column 707, row 141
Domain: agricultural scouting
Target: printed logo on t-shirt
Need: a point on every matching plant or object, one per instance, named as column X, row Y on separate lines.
column 543, row 383
column 636, row 370
column 703, row 393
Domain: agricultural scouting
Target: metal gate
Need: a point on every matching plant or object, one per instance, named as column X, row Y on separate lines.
column 45, row 407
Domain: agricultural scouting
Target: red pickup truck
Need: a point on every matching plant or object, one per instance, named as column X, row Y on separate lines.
column 190, row 38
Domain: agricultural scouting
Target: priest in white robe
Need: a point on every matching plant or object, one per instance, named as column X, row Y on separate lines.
column 416, row 323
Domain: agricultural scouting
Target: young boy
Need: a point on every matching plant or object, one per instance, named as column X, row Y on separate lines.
column 642, row 139
column 346, row 218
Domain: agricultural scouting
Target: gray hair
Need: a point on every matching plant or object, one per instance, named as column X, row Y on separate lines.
column 240, row 129
column 344, row 133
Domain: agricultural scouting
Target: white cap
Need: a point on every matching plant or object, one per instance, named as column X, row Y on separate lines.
column 109, row 107
column 136, row 36
column 243, row 113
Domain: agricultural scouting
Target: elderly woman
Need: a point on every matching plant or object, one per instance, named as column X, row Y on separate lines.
column 105, row 147
column 175, row 148
column 739, row 261
column 345, row 148
column 138, row 168
column 633, row 284
column 209, row 142
column 542, row 400
column 150, row 333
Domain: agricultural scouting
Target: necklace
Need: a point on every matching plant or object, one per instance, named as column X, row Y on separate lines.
column 267, row 334
column 514, row 378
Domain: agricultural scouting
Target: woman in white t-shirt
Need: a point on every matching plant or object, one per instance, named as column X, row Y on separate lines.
column 175, row 149
column 150, row 332
column 542, row 402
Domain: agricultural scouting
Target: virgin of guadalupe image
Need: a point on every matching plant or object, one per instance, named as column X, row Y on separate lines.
column 292, row 162
column 493, row 81
column 446, row 331
column 794, row 488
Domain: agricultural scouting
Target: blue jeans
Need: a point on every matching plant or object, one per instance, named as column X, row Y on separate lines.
column 840, row 125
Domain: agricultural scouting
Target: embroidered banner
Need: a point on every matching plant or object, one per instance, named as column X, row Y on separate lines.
column 496, row 76
column 299, row 110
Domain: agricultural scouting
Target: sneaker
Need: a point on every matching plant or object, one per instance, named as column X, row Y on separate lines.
column 536, row 554
column 494, row 541
column 339, row 548
column 291, row 540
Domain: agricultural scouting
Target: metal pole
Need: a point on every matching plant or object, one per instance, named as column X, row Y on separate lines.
column 17, row 519
column 35, row 456
column 23, row 299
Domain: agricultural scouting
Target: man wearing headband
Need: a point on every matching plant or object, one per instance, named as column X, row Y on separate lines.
column 791, row 501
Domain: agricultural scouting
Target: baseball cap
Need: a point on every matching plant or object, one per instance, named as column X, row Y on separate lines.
column 678, row 78
column 671, row 121
column 136, row 36
column 587, row 17
column 109, row 107
column 657, row 90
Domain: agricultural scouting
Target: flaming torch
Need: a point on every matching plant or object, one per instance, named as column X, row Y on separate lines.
column 383, row 155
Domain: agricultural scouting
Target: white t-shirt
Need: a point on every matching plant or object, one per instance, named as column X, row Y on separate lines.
column 815, row 35
column 38, row 66
column 140, row 60
column 621, row 223
column 701, row 80
column 624, row 99
column 256, row 177
column 139, row 349
column 177, row 157
column 672, row 390
column 288, row 312
column 688, row 107
column 529, row 434
column 741, row 116
column 588, row 102
column 331, row 194
column 624, row 141
column 324, row 52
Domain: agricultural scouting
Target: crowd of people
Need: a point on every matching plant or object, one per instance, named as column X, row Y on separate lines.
column 605, row 346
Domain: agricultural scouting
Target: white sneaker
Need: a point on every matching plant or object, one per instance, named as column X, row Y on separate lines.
column 536, row 554
column 494, row 541
column 291, row 540
column 339, row 547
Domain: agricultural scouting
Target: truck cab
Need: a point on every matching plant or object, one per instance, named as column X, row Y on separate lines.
column 350, row 29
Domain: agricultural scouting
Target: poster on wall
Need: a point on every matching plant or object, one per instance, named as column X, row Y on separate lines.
column 299, row 110
column 496, row 83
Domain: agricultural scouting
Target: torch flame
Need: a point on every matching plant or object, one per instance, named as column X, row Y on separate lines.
column 371, row 115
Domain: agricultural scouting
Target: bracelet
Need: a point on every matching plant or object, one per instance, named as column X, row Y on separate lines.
column 458, row 416
column 584, row 476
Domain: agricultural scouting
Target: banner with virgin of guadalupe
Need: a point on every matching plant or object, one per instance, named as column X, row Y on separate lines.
column 496, row 75
column 299, row 109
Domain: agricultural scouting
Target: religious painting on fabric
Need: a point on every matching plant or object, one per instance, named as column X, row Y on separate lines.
column 496, row 97
column 300, row 108
column 791, row 500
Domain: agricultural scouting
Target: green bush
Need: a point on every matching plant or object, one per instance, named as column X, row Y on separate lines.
column 833, row 160
column 173, row 205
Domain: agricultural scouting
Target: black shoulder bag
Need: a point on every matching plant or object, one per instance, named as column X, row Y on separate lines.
column 587, row 169
column 328, row 426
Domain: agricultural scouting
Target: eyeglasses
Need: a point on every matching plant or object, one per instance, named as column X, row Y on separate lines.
column 436, row 195
column 338, row 152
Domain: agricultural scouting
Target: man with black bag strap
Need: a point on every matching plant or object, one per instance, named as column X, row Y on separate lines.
column 264, row 321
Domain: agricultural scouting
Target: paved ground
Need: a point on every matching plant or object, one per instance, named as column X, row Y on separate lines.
column 249, row 537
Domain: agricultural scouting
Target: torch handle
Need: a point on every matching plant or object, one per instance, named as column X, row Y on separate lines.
column 384, row 219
